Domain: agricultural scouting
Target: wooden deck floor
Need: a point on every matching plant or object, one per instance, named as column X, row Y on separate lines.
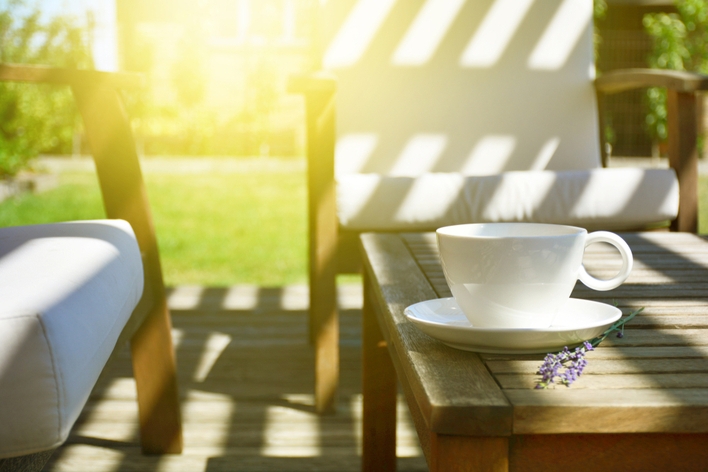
column 246, row 382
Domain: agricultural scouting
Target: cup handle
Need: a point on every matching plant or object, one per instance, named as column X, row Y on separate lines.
column 627, row 260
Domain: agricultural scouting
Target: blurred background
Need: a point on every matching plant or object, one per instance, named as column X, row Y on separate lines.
column 216, row 70
column 222, row 139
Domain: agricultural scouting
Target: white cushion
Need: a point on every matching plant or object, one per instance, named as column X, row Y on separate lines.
column 479, row 87
column 615, row 199
column 66, row 292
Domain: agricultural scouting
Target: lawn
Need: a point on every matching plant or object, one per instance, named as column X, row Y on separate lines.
column 225, row 224
column 218, row 224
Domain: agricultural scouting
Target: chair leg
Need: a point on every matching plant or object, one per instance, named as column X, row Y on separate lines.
column 324, row 322
column 683, row 157
column 379, row 388
column 155, row 374
column 322, row 216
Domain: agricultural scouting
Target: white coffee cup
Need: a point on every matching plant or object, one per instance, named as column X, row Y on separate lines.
column 518, row 275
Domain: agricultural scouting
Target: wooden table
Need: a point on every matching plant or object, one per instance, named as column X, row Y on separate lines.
column 642, row 403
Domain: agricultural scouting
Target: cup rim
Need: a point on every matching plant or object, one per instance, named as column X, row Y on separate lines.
column 514, row 230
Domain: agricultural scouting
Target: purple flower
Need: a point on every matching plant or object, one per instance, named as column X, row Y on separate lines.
column 573, row 362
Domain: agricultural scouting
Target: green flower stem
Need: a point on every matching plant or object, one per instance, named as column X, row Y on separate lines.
column 619, row 325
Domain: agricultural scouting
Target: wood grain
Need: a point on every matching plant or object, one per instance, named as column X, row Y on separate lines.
column 683, row 156
column 609, row 452
column 628, row 79
column 379, row 388
column 464, row 453
column 254, row 410
column 124, row 196
column 322, row 230
column 73, row 77
column 473, row 404
column 653, row 380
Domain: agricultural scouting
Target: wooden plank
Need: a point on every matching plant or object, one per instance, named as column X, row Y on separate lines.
column 379, row 389
column 455, row 397
column 568, row 410
column 322, row 230
column 643, row 291
column 608, row 452
column 666, row 305
column 73, row 77
column 629, row 79
column 623, row 353
column 683, row 156
column 465, row 453
column 267, row 424
column 643, row 380
column 659, row 337
column 611, row 366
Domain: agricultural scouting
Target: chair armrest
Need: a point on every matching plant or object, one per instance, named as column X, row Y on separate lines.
column 321, row 81
column 72, row 77
column 110, row 137
column 628, row 79
column 682, row 123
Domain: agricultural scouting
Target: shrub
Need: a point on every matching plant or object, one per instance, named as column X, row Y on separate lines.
column 680, row 43
column 37, row 118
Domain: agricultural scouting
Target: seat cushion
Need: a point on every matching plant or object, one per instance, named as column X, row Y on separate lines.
column 66, row 292
column 613, row 199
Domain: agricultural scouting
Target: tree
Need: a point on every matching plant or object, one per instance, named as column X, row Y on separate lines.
column 37, row 118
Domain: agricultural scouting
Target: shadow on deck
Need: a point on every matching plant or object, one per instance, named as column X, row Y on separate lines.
column 246, row 379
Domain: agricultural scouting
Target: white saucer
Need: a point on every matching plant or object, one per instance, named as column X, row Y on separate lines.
column 577, row 321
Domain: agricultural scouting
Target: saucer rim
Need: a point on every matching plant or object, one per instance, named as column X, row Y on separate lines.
column 408, row 312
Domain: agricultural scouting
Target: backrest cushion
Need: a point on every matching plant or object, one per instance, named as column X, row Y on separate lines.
column 478, row 87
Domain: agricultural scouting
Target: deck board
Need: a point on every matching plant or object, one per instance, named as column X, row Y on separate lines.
column 246, row 388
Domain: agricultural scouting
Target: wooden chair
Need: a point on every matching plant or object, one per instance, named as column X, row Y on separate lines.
column 450, row 112
column 148, row 328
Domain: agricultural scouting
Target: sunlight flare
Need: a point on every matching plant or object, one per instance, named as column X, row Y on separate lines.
column 353, row 152
column 545, row 154
column 427, row 32
column 420, row 155
column 490, row 155
column 214, row 346
column 357, row 32
column 241, row 297
column 561, row 36
column 185, row 297
column 494, row 34
column 289, row 432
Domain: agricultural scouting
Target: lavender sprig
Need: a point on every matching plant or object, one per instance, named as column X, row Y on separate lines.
column 574, row 362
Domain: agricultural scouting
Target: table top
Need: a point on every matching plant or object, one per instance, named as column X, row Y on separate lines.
column 654, row 379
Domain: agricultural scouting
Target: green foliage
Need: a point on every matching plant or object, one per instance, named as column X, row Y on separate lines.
column 599, row 12
column 36, row 118
column 680, row 43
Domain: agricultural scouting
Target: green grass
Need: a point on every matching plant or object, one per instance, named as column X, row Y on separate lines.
column 214, row 228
